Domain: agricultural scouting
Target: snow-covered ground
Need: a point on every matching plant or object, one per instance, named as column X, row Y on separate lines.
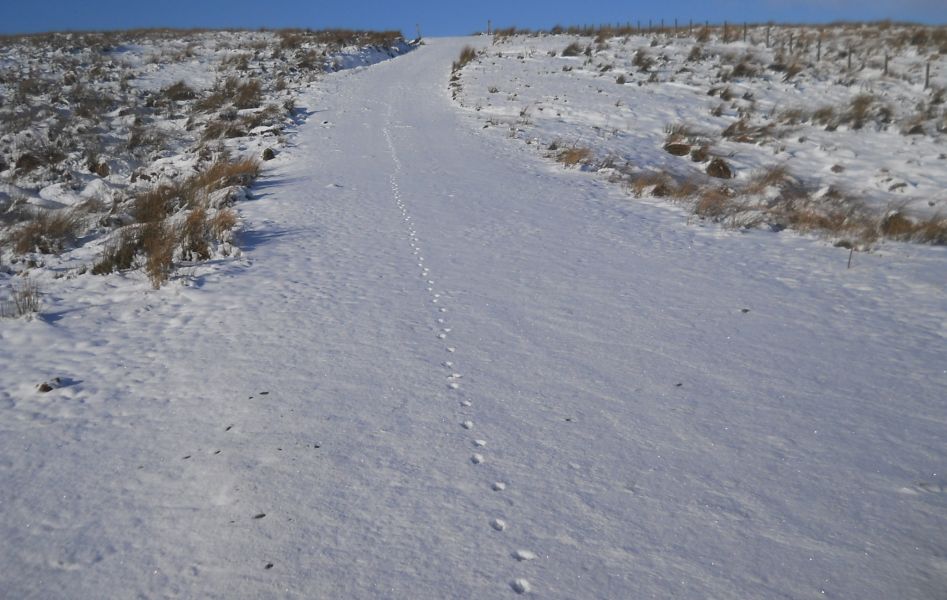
column 94, row 125
column 446, row 367
column 834, row 121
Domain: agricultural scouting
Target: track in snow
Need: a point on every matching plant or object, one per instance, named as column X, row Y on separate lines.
column 484, row 376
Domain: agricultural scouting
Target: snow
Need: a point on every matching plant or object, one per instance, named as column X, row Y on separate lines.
column 665, row 410
column 524, row 87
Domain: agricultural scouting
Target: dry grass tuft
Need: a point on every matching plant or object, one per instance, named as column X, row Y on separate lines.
column 248, row 94
column 774, row 176
column 158, row 241
column 573, row 49
column 712, row 204
column 466, row 55
column 119, row 253
column 574, row 156
column 194, row 235
column 47, row 233
column 225, row 174
column 179, row 92
column 24, row 300
column 222, row 223
column 156, row 204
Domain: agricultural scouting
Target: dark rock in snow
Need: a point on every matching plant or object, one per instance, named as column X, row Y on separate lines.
column 677, row 149
column 720, row 169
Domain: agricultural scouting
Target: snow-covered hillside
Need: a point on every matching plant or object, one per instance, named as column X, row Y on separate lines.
column 446, row 367
column 128, row 149
column 827, row 129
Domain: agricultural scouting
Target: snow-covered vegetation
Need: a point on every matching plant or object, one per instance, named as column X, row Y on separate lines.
column 123, row 150
column 840, row 130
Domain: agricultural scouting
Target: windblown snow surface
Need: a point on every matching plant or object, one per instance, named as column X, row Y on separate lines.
column 444, row 367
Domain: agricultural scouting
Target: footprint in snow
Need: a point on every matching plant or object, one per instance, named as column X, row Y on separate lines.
column 498, row 524
column 522, row 555
column 477, row 459
column 465, row 403
column 520, row 586
column 480, row 443
column 467, row 424
column 498, row 486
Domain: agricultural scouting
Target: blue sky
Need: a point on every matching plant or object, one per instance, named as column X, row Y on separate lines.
column 439, row 17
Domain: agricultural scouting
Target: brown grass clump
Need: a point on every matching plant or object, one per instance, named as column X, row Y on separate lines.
column 249, row 94
column 773, row 176
column 194, row 235
column 897, row 226
column 466, row 55
column 860, row 109
column 712, row 204
column 221, row 128
column 222, row 223
column 46, row 232
column 156, row 204
column 573, row 156
column 225, row 174
column 660, row 184
column 179, row 92
column 642, row 60
column 573, row 49
column 119, row 254
column 163, row 201
column 158, row 241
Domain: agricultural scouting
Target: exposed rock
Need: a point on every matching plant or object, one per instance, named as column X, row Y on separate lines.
column 268, row 154
column 677, row 149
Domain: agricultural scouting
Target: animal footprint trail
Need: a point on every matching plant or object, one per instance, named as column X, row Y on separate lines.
column 442, row 329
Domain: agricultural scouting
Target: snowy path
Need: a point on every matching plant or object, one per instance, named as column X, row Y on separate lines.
column 449, row 370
